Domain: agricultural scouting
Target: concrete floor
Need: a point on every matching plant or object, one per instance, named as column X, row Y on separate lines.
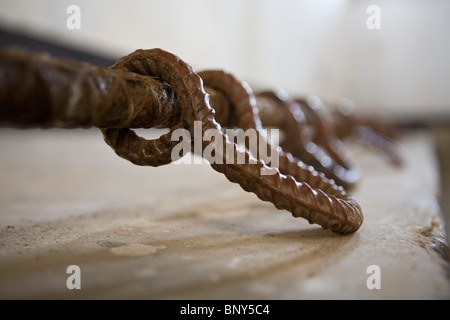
column 186, row 232
column 442, row 141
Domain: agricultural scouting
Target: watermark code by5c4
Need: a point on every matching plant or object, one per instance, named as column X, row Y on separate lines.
column 226, row 309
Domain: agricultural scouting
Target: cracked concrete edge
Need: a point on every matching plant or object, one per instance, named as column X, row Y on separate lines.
column 433, row 239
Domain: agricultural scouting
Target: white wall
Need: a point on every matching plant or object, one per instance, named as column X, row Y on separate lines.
column 318, row 47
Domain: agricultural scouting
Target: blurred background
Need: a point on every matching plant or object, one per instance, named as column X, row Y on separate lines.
column 321, row 47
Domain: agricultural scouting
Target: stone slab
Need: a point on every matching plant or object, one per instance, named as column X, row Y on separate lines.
column 186, row 232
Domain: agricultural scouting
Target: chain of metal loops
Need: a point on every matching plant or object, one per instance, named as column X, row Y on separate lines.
column 154, row 88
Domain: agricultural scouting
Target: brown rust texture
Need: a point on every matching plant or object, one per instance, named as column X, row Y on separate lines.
column 154, row 88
